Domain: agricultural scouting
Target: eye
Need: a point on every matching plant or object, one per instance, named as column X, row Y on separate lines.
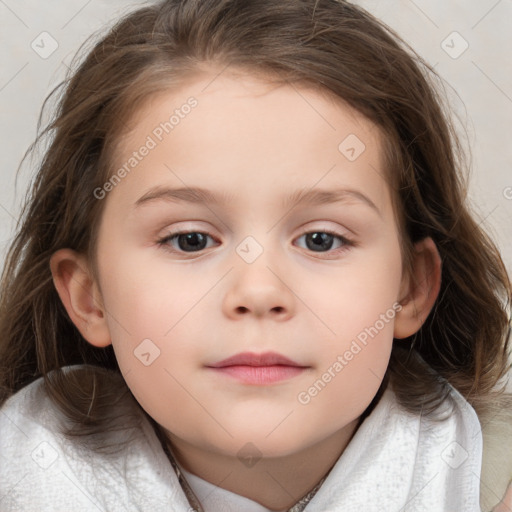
column 185, row 241
column 323, row 241
column 196, row 241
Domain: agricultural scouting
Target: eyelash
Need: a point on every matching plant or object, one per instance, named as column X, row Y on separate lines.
column 346, row 242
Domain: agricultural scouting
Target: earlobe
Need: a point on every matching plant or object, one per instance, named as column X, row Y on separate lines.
column 80, row 296
column 419, row 290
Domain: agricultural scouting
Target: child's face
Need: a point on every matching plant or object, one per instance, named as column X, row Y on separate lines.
column 254, row 283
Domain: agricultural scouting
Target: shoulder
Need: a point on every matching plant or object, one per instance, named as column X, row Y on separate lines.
column 493, row 429
column 43, row 469
column 30, row 449
column 27, row 419
column 497, row 455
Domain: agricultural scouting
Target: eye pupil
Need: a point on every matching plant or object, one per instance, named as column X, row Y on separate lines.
column 319, row 240
column 194, row 241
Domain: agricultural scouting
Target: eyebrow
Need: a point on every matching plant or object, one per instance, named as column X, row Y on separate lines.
column 198, row 195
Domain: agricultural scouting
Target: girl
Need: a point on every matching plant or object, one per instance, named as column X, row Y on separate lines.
column 246, row 279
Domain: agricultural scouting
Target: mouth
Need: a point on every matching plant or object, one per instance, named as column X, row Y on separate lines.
column 258, row 369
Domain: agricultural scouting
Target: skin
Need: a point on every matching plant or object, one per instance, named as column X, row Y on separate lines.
column 505, row 504
column 258, row 143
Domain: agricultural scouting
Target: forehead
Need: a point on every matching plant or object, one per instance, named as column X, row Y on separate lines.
column 249, row 136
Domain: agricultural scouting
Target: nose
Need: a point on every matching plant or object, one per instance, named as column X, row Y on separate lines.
column 258, row 289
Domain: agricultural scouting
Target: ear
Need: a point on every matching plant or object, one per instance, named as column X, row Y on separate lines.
column 419, row 289
column 80, row 295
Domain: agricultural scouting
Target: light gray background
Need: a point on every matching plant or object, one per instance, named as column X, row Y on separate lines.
column 479, row 84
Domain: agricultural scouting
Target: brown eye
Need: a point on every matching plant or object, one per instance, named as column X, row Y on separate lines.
column 191, row 241
column 319, row 241
column 323, row 241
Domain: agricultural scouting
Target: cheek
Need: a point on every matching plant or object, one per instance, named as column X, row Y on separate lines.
column 351, row 366
column 359, row 307
column 146, row 296
column 154, row 315
column 353, row 296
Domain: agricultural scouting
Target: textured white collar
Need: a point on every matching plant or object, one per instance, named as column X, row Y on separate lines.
column 399, row 462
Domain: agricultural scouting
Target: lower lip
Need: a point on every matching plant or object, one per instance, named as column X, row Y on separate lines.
column 260, row 375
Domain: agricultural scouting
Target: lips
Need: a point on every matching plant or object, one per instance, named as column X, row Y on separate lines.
column 258, row 369
column 252, row 359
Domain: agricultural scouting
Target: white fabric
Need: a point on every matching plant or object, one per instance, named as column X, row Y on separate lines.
column 395, row 462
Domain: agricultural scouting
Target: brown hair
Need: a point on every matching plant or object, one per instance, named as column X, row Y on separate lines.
column 332, row 45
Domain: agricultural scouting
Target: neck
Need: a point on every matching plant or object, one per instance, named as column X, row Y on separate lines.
column 275, row 483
